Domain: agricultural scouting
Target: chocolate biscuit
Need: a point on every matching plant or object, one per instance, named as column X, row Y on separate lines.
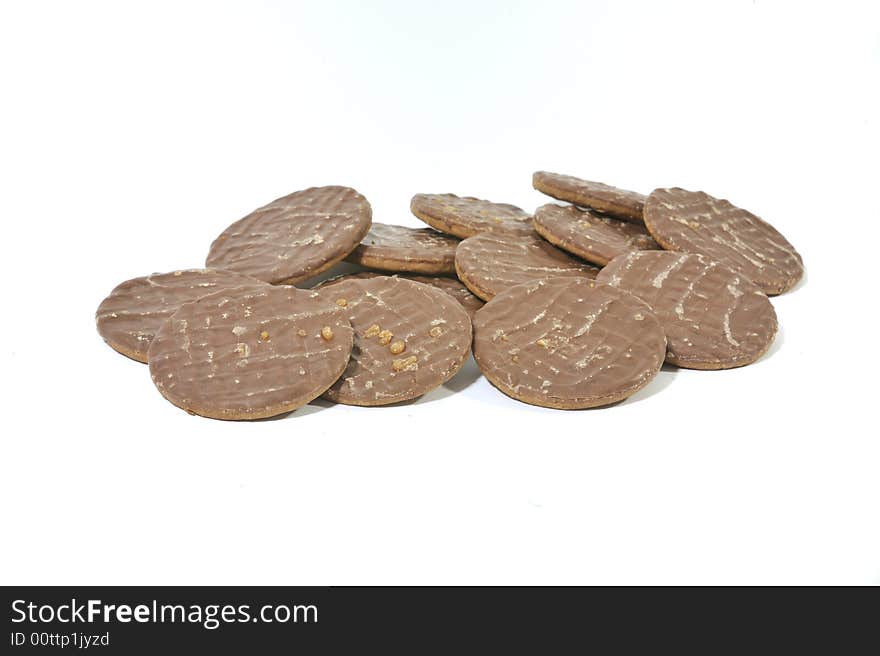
column 455, row 289
column 619, row 203
column 135, row 310
column 294, row 237
column 695, row 222
column 490, row 263
column 451, row 286
column 409, row 339
column 590, row 235
column 398, row 248
column 466, row 216
column 250, row 353
column 568, row 343
column 713, row 317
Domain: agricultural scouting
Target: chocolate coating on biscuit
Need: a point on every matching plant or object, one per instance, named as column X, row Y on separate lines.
column 695, row 222
column 451, row 286
column 466, row 216
column 250, row 353
column 294, row 237
column 619, row 203
column 135, row 310
column 568, row 343
column 714, row 318
column 409, row 339
column 590, row 235
column 454, row 288
column 398, row 248
column 490, row 263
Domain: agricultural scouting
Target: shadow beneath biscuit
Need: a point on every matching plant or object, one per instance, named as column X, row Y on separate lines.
column 662, row 380
column 778, row 341
column 667, row 372
column 310, row 408
column 339, row 269
column 466, row 376
column 313, row 407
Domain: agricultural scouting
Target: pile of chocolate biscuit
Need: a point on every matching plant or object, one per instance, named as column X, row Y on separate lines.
column 583, row 302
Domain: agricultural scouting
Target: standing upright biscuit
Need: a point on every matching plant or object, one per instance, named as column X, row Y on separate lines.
column 713, row 317
column 409, row 339
column 294, row 237
column 135, row 310
column 695, row 222
column 250, row 353
column 465, row 216
column 568, row 343
column 592, row 236
column 398, row 248
column 490, row 263
column 620, row 203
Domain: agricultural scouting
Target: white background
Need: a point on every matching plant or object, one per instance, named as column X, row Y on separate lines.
column 133, row 133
